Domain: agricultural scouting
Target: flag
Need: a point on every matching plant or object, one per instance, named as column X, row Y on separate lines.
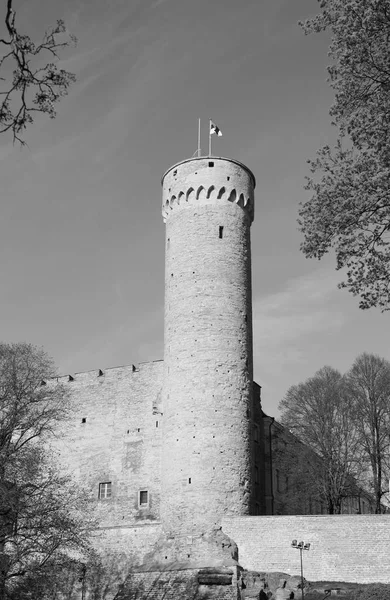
column 214, row 129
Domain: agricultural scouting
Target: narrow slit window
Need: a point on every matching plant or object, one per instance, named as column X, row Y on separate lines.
column 105, row 490
column 84, row 420
column 220, row 232
column 143, row 498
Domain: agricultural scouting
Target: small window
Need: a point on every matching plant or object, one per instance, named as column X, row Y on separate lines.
column 211, row 164
column 84, row 420
column 143, row 498
column 105, row 490
column 220, row 232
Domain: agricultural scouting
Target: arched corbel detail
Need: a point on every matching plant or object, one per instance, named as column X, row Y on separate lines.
column 199, row 191
column 221, row 193
column 232, row 196
column 210, row 190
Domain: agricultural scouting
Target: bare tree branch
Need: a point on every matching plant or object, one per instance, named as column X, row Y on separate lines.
column 33, row 88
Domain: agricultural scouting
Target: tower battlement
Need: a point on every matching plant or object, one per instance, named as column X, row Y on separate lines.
column 208, row 180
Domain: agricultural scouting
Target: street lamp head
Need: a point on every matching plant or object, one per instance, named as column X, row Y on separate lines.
column 294, row 543
column 300, row 545
column 306, row 547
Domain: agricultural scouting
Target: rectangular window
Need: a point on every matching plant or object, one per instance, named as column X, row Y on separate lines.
column 143, row 498
column 220, row 232
column 105, row 490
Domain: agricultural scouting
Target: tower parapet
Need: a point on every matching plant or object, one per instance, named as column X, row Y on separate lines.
column 207, row 180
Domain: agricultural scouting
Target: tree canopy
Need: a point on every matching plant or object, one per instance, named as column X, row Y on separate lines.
column 42, row 517
column 345, row 420
column 368, row 383
column 317, row 411
column 349, row 208
column 29, row 86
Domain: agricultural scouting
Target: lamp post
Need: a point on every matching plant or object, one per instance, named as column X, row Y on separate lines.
column 82, row 580
column 301, row 546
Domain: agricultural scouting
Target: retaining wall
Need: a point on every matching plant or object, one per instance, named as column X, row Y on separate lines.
column 354, row 548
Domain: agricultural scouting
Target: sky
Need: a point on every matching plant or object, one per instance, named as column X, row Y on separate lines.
column 81, row 233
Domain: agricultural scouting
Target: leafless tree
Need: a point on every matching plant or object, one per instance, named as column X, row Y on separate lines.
column 34, row 85
column 42, row 517
column 318, row 412
column 369, row 387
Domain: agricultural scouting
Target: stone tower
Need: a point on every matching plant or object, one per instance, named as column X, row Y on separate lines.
column 208, row 206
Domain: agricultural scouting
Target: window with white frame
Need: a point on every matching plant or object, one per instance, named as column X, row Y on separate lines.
column 105, row 490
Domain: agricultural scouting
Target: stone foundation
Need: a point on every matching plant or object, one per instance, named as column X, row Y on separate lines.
column 183, row 584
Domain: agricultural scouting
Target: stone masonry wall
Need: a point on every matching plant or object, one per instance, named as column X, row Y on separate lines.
column 183, row 584
column 207, row 395
column 115, row 436
column 353, row 548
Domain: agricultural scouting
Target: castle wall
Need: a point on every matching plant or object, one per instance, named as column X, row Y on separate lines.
column 207, row 470
column 115, row 437
column 354, row 548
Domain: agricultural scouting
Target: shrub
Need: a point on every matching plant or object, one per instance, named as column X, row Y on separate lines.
column 377, row 591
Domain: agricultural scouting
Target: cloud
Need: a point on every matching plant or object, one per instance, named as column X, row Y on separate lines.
column 288, row 327
column 158, row 3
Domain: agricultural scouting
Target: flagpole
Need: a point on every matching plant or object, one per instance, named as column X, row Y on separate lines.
column 210, row 137
column 199, row 148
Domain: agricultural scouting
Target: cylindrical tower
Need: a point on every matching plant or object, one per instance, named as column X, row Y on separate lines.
column 208, row 206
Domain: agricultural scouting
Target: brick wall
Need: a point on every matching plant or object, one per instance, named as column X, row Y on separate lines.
column 354, row 548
